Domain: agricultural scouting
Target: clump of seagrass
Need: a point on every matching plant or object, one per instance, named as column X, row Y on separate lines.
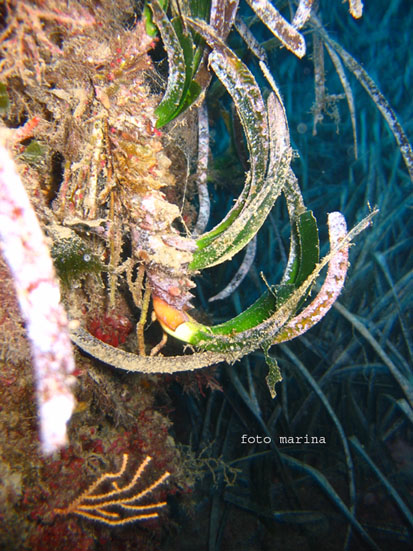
column 103, row 120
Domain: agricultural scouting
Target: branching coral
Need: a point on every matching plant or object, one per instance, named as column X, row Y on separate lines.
column 117, row 505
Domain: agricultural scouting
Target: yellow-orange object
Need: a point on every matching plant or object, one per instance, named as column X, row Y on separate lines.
column 168, row 316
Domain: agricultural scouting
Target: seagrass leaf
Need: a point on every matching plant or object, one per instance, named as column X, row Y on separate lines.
column 248, row 222
column 192, row 55
column 276, row 296
column 274, row 373
column 150, row 27
column 316, row 388
column 177, row 78
column 263, row 184
column 307, row 236
column 120, row 359
column 295, row 206
column 242, row 87
column 229, row 346
column 278, row 322
column 222, row 16
column 376, row 95
column 401, row 504
column 284, row 31
column 331, row 288
column 184, row 51
column 279, row 326
column 356, row 8
column 302, row 14
column 259, row 325
column 330, row 492
column 241, row 273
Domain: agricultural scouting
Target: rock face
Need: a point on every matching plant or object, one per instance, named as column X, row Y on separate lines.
column 79, row 122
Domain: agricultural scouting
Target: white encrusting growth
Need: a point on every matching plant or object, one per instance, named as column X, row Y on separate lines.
column 25, row 250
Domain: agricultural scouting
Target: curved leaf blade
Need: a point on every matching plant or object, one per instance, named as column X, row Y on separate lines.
column 242, row 87
column 177, row 77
